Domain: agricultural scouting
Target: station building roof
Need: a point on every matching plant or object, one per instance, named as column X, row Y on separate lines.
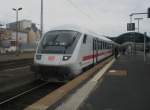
column 130, row 37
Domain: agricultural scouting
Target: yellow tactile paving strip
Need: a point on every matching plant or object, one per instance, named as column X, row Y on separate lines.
column 59, row 93
column 117, row 73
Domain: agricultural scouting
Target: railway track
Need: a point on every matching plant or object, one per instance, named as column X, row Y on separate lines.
column 27, row 97
column 15, row 63
column 23, row 93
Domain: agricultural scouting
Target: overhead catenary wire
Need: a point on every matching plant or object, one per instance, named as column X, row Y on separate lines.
column 90, row 18
column 81, row 11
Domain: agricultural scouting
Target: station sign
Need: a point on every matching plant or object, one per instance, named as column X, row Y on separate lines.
column 130, row 26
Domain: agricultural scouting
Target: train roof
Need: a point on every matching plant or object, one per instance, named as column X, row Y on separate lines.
column 82, row 30
column 69, row 27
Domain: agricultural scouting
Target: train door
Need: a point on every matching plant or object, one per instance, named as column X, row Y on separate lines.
column 95, row 51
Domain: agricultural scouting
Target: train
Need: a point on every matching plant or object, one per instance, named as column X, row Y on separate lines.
column 65, row 52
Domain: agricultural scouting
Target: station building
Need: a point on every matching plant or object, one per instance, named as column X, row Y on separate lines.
column 28, row 35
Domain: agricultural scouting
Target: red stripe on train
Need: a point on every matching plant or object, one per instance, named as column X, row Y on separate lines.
column 88, row 57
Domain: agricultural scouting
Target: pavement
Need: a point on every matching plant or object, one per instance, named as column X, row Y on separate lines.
column 125, row 86
column 12, row 56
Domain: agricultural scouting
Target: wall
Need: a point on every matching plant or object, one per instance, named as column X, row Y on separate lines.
column 22, row 37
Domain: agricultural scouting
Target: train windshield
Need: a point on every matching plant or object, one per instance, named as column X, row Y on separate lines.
column 59, row 42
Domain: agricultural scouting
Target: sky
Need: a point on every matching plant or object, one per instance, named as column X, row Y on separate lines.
column 106, row 17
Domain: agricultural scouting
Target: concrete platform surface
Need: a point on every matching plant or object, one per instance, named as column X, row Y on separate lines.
column 126, row 86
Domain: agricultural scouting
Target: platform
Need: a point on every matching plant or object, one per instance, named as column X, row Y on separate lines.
column 126, row 86
column 13, row 56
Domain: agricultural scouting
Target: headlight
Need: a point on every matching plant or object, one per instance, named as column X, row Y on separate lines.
column 38, row 57
column 66, row 58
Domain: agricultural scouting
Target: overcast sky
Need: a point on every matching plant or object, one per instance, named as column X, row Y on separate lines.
column 108, row 17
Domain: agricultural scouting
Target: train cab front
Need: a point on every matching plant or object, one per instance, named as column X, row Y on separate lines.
column 54, row 53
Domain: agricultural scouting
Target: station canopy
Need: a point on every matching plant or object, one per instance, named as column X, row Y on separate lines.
column 130, row 37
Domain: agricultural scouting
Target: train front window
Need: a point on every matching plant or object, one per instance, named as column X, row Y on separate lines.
column 59, row 42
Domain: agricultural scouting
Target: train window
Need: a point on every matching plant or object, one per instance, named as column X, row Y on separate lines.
column 104, row 46
column 108, row 46
column 95, row 44
column 99, row 45
column 59, row 42
column 84, row 39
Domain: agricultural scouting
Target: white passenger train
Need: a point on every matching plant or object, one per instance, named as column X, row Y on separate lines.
column 64, row 52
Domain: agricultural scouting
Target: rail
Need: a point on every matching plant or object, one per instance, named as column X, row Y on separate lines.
column 23, row 93
column 15, row 63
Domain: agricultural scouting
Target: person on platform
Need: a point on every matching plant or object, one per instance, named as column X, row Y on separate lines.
column 116, row 52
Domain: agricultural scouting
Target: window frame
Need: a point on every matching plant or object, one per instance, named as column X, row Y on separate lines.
column 84, row 39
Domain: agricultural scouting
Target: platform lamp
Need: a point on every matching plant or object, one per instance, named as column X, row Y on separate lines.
column 41, row 18
column 17, row 10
